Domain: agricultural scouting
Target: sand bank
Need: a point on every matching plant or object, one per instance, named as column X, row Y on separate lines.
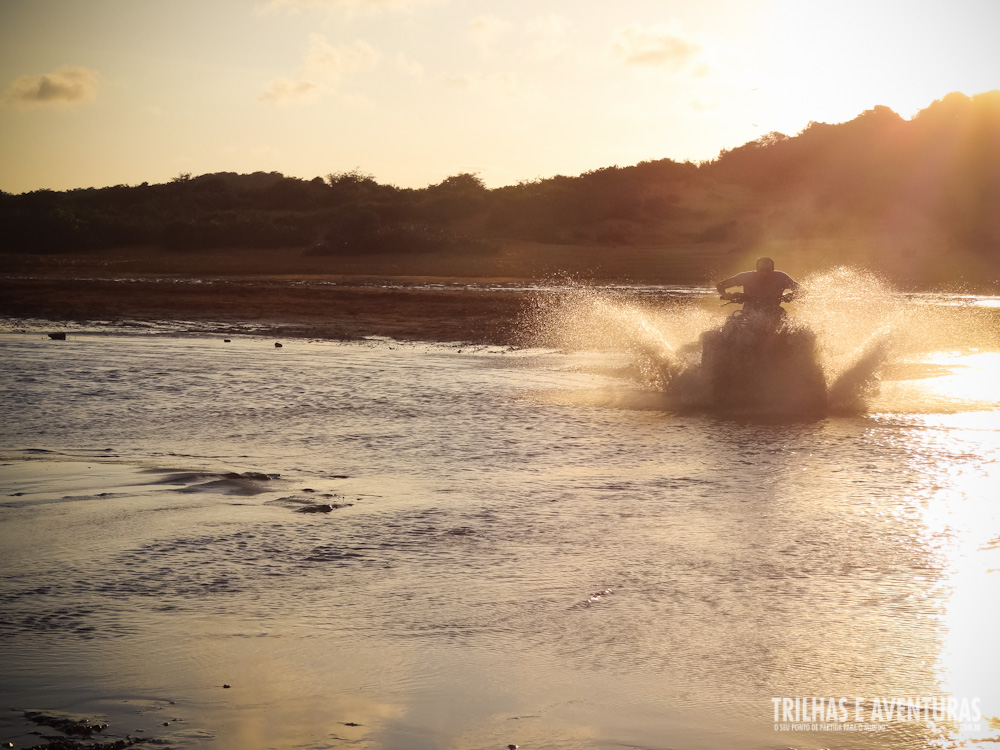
column 331, row 311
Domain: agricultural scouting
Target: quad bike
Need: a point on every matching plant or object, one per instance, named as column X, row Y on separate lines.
column 759, row 361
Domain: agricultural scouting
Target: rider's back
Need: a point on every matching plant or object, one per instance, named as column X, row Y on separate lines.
column 763, row 289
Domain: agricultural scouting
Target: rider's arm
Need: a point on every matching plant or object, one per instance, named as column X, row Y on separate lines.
column 792, row 286
column 723, row 285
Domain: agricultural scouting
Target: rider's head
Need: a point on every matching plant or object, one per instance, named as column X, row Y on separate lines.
column 765, row 264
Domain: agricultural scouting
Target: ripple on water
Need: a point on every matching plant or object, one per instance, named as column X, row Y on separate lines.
column 677, row 558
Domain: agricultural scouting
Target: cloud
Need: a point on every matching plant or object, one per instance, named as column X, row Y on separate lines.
column 408, row 67
column 66, row 86
column 542, row 39
column 330, row 63
column 286, row 91
column 348, row 5
column 323, row 66
column 548, row 38
column 498, row 86
column 659, row 47
column 703, row 104
column 486, row 30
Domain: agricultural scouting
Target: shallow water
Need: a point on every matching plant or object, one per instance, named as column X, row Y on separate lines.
column 525, row 546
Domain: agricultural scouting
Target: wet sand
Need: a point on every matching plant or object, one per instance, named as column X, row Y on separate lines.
column 344, row 311
column 289, row 293
column 153, row 673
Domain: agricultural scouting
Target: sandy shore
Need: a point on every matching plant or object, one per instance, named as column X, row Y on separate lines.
column 112, row 678
column 285, row 292
column 331, row 311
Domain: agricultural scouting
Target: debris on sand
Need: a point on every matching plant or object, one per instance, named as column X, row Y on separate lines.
column 77, row 730
column 322, row 508
column 68, row 726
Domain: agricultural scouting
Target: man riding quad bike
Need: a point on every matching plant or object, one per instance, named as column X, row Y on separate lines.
column 758, row 361
column 763, row 290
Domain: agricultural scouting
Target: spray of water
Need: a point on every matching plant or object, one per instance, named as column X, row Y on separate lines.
column 659, row 339
column 860, row 322
column 848, row 325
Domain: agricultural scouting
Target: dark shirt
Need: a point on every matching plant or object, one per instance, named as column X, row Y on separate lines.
column 762, row 288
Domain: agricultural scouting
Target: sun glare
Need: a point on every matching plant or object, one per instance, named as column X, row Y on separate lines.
column 971, row 377
column 828, row 63
column 963, row 512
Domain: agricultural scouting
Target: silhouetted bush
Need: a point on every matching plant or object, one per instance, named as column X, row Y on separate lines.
column 376, row 228
column 942, row 166
column 234, row 232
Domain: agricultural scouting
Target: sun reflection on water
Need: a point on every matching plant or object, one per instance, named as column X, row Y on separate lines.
column 960, row 455
column 970, row 377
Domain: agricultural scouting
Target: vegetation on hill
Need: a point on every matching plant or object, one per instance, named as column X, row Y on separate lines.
column 928, row 185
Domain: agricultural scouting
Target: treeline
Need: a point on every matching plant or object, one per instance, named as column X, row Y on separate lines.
column 939, row 171
column 344, row 213
column 879, row 173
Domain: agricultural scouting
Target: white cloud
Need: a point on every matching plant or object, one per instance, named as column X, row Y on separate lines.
column 504, row 85
column 328, row 62
column 323, row 66
column 408, row 67
column 486, row 31
column 703, row 104
column 66, row 86
column 660, row 47
column 286, row 91
column 348, row 5
column 541, row 39
column 548, row 38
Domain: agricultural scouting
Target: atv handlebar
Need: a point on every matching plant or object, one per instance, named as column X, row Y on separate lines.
column 740, row 298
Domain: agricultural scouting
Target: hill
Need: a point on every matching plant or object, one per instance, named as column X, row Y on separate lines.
column 915, row 199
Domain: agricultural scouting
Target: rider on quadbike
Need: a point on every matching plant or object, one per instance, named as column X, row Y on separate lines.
column 763, row 290
column 757, row 356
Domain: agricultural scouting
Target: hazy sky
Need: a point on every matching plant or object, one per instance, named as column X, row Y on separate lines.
column 103, row 92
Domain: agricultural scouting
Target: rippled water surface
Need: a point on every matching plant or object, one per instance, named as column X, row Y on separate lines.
column 523, row 546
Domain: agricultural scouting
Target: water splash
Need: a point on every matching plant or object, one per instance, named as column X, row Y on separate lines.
column 860, row 322
column 659, row 337
column 853, row 326
column 851, row 388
